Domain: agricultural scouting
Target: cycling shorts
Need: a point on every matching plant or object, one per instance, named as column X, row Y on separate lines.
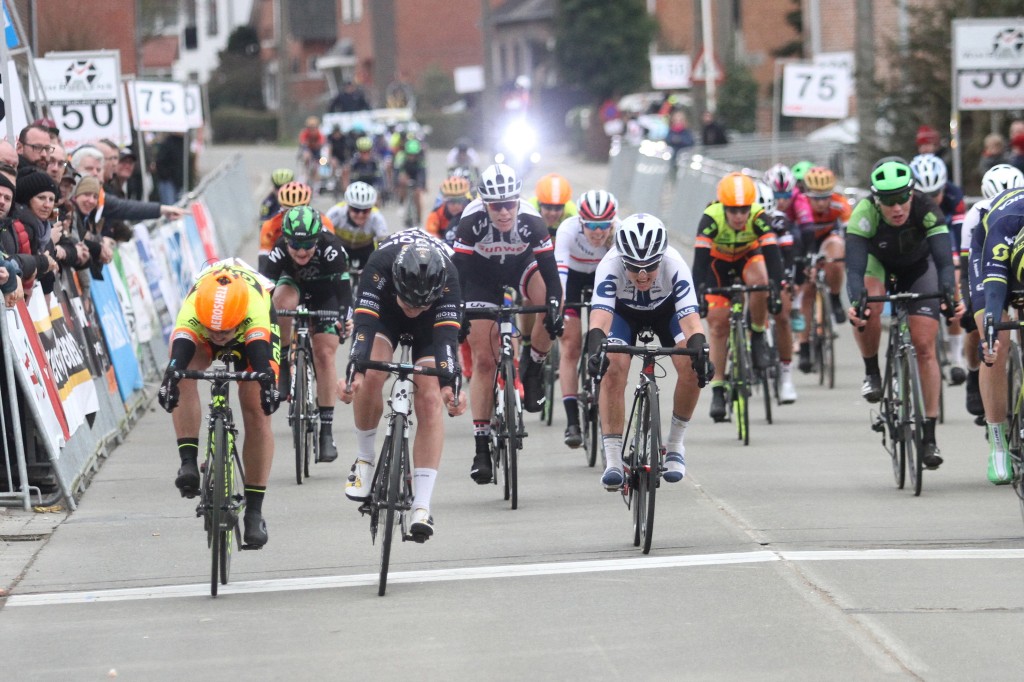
column 722, row 273
column 627, row 323
column 575, row 284
column 316, row 296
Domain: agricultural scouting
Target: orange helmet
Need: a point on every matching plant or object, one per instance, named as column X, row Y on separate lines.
column 294, row 194
column 455, row 187
column 737, row 189
column 222, row 299
column 553, row 189
column 819, row 181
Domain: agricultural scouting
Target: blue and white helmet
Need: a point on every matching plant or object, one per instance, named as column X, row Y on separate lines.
column 641, row 239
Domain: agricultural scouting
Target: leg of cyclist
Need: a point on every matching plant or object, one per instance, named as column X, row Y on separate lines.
column 806, row 296
column 923, row 331
column 994, row 385
column 569, row 360
column 535, row 293
column 755, row 273
column 285, row 297
column 684, row 398
column 483, row 342
column 187, row 418
column 257, row 456
column 610, row 405
column 367, row 408
column 868, row 340
column 718, row 342
column 784, row 347
column 325, row 350
column 835, row 248
column 426, row 449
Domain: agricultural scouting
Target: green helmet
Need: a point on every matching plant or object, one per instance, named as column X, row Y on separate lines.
column 281, row 176
column 364, row 144
column 891, row 175
column 301, row 223
column 800, row 168
column 413, row 147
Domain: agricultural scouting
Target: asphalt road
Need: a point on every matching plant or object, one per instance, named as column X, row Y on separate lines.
column 793, row 558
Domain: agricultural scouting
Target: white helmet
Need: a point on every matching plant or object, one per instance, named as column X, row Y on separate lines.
column 780, row 178
column 1000, row 178
column 360, row 195
column 499, row 182
column 765, row 196
column 929, row 173
column 641, row 239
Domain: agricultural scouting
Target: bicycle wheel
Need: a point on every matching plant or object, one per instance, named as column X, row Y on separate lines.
column 913, row 419
column 589, row 420
column 631, row 438
column 550, row 381
column 311, row 415
column 890, row 425
column 742, row 392
column 299, row 410
column 1015, row 403
column 649, row 467
column 219, row 548
column 513, row 423
column 390, row 500
column 498, row 429
column 823, row 325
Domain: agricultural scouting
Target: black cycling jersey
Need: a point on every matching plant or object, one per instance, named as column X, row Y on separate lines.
column 323, row 282
column 362, row 170
column 435, row 332
column 489, row 260
column 269, row 207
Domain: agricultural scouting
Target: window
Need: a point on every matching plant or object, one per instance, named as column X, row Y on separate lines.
column 212, row 28
column 351, row 11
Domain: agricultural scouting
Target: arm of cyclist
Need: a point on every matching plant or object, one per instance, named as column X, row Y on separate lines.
column 447, row 322
column 183, row 349
column 938, row 243
column 365, row 325
column 1000, row 234
column 856, row 267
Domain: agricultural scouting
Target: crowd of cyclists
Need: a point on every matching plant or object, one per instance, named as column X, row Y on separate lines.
column 567, row 252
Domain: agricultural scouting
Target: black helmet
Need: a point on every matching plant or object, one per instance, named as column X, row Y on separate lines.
column 419, row 273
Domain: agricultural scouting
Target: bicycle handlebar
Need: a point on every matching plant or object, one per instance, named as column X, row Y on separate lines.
column 220, row 375
column 577, row 306
column 651, row 350
column 736, row 289
column 322, row 314
column 495, row 313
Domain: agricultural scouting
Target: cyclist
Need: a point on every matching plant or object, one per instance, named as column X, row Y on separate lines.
column 735, row 242
column 228, row 307
column 797, row 210
column 899, row 236
column 412, row 175
column 931, row 179
column 582, row 242
column 553, row 199
column 270, row 206
column 998, row 178
column 998, row 274
column 788, row 238
column 642, row 282
column 290, row 195
column 310, row 264
column 464, row 156
column 408, row 286
column 502, row 241
column 455, row 192
column 800, row 169
column 365, row 166
column 358, row 222
column 311, row 140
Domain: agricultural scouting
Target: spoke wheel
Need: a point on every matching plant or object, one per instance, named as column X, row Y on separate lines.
column 219, row 549
column 911, row 420
column 1015, row 404
column 892, row 426
column 647, row 470
column 311, row 420
column 299, row 411
column 550, row 381
column 513, row 425
column 741, row 395
column 390, row 500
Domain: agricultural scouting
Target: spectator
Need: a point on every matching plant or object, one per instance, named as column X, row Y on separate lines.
column 88, row 160
column 928, row 140
column 1017, row 152
column 993, row 153
column 351, row 98
column 21, row 240
column 51, row 127
column 10, row 268
column 34, row 147
column 169, row 167
column 8, row 154
column 679, row 136
column 1016, row 128
column 713, row 134
column 111, row 154
column 58, row 161
column 10, row 279
column 123, row 174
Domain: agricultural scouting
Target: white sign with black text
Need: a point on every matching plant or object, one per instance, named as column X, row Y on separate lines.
column 811, row 91
column 670, row 71
column 158, row 106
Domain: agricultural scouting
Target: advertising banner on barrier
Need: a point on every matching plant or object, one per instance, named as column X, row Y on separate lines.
column 157, row 279
column 197, row 248
column 37, row 379
column 127, row 305
column 115, row 331
column 85, row 331
column 67, row 364
column 138, row 291
column 205, row 226
column 180, row 262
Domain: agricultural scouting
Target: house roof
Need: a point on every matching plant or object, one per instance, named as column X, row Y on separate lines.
column 517, row 11
column 160, row 52
column 312, row 19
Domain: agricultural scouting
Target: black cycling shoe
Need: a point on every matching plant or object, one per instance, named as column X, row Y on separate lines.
column 718, row 403
column 759, row 350
column 957, row 376
column 838, row 314
column 931, row 459
column 328, row 452
column 871, row 389
column 806, row 366
column 573, row 436
column 188, row 478
column 284, row 380
column 974, row 404
column 481, row 471
column 533, row 383
column 255, row 535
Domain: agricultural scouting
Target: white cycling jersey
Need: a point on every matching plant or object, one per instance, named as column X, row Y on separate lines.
column 674, row 281
column 374, row 229
column 574, row 252
column 971, row 221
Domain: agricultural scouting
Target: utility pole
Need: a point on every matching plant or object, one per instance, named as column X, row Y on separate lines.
column 865, row 86
column 490, row 105
column 282, row 69
column 385, row 62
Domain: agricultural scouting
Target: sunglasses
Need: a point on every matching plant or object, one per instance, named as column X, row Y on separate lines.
column 596, row 224
column 510, row 205
column 552, row 207
column 783, row 195
column 894, row 199
column 737, row 210
column 301, row 245
column 637, row 269
column 359, row 210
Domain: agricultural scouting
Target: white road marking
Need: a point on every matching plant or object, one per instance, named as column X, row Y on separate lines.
column 509, row 571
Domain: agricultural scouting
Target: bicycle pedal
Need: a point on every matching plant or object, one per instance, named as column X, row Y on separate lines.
column 252, row 547
column 364, row 509
column 189, row 493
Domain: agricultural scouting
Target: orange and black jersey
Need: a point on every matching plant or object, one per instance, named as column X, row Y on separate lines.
column 717, row 239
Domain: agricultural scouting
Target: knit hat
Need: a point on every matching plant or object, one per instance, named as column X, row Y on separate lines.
column 927, row 135
column 6, row 182
column 87, row 185
column 31, row 184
